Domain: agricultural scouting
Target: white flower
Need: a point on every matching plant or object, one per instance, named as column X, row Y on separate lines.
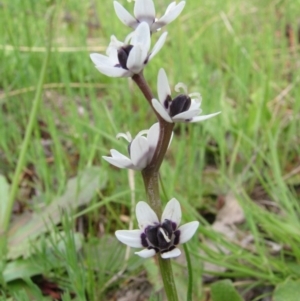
column 127, row 59
column 158, row 236
column 144, row 11
column 183, row 108
column 141, row 149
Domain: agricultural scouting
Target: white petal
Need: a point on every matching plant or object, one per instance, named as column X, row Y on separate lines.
column 136, row 58
column 114, row 71
column 146, row 253
column 113, row 56
column 174, row 253
column 170, row 7
column 124, row 16
column 152, row 137
column 187, row 231
column 100, row 59
column 139, row 149
column 186, row 115
column 159, row 108
column 172, row 212
column 204, row 117
column 195, row 104
column 116, row 154
column 145, row 215
column 120, row 162
column 159, row 44
column 142, row 36
column 144, row 10
column 171, row 14
column 163, row 87
column 131, row 238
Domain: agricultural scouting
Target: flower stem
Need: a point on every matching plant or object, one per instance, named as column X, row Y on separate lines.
column 166, row 128
column 150, row 176
column 190, row 272
column 168, row 279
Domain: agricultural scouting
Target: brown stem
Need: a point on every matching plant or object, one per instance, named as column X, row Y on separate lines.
column 166, row 128
column 150, row 173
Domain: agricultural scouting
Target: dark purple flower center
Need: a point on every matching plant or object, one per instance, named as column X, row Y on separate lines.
column 180, row 104
column 161, row 237
column 123, row 54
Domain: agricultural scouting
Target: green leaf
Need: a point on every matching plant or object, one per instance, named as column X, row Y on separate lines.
column 22, row 268
column 28, row 227
column 224, row 291
column 4, row 191
column 25, row 291
column 41, row 260
column 287, row 291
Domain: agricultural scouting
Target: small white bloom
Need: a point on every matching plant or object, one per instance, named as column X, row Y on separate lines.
column 183, row 108
column 158, row 236
column 144, row 11
column 141, row 149
column 127, row 59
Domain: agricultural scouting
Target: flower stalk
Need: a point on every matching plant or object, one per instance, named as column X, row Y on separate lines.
column 166, row 129
column 168, row 278
column 159, row 232
column 151, row 172
column 151, row 179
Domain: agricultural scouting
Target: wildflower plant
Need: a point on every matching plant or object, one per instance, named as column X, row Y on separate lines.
column 159, row 231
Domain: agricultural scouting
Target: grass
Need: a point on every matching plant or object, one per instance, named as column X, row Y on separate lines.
column 237, row 54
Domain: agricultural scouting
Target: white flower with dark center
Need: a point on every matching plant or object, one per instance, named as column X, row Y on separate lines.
column 158, row 236
column 144, row 11
column 129, row 58
column 183, row 108
column 140, row 149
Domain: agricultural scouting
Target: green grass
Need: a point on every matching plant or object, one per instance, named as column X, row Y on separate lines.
column 236, row 54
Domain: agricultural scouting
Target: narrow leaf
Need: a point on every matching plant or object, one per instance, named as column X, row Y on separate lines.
column 4, row 191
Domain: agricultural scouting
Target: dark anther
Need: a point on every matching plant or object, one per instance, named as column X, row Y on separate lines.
column 167, row 225
column 180, row 104
column 151, row 233
column 176, row 239
column 174, row 226
column 144, row 240
column 167, row 101
column 164, row 238
column 159, row 236
column 123, row 54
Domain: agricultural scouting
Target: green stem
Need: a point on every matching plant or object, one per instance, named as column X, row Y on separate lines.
column 21, row 160
column 190, row 272
column 150, row 176
column 168, row 278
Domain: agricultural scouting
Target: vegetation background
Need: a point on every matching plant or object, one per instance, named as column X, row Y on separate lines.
column 238, row 173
